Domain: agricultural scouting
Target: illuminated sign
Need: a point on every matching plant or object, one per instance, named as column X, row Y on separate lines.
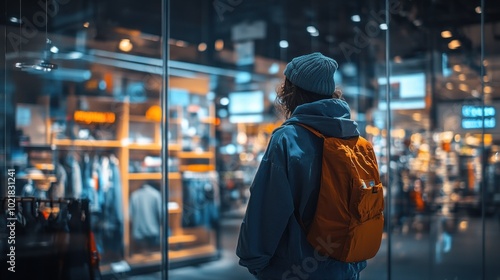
column 474, row 117
column 94, row 117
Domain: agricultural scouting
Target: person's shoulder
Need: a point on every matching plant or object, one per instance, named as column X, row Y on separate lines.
column 284, row 132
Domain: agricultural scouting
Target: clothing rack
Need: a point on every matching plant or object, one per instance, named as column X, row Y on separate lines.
column 47, row 245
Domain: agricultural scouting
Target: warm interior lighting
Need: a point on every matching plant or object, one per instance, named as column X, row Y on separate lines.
column 457, row 68
column 454, row 44
column 446, row 34
column 219, row 45
column 449, row 86
column 488, row 89
column 461, row 77
column 417, row 117
column 486, row 78
column 398, row 59
column 86, row 24
column 202, row 47
column 464, row 87
column 125, row 45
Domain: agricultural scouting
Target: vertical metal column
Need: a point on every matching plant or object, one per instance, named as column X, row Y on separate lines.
column 483, row 154
column 165, row 35
column 388, row 140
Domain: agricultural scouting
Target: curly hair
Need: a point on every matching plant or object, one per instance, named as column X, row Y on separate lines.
column 290, row 96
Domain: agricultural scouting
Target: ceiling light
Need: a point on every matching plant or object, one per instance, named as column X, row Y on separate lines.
column 315, row 34
column 14, row 20
column 356, row 18
column 488, row 89
column 283, row 44
column 125, row 45
column 180, row 43
column 86, row 24
column 54, row 49
column 461, row 77
column 464, row 87
column 457, row 68
column 486, row 78
column 446, row 34
column 224, row 101
column 454, row 44
column 383, row 26
column 42, row 65
column 478, row 9
column 311, row 29
column 219, row 44
column 449, row 86
column 274, row 68
column 202, row 47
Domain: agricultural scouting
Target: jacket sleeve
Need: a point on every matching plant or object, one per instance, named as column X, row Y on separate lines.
column 268, row 211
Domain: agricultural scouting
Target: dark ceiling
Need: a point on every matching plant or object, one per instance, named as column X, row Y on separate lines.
column 414, row 30
column 196, row 21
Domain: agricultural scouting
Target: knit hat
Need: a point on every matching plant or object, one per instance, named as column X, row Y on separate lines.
column 312, row 72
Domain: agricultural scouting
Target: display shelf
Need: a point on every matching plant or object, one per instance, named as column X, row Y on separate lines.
column 184, row 238
column 145, row 146
column 133, row 118
column 197, row 167
column 145, row 176
column 197, row 252
column 87, row 143
column 174, row 175
column 196, row 154
column 39, row 177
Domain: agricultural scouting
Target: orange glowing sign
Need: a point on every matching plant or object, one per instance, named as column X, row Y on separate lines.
column 94, row 117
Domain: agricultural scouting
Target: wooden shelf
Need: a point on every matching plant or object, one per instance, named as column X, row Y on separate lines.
column 145, row 176
column 196, row 154
column 133, row 118
column 146, row 146
column 87, row 143
column 174, row 147
column 39, row 177
column 174, row 175
column 175, row 239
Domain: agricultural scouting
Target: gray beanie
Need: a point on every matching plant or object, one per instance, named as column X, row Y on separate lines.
column 312, row 72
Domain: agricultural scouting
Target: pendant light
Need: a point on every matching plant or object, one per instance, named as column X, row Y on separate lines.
column 44, row 64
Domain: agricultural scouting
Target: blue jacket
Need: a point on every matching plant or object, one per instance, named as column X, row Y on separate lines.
column 272, row 244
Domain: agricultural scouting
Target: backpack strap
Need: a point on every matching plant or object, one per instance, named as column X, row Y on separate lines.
column 317, row 133
column 296, row 211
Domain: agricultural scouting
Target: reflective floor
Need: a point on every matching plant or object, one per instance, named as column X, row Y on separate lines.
column 420, row 250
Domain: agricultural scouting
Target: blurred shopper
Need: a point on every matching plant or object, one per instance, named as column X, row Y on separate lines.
column 272, row 243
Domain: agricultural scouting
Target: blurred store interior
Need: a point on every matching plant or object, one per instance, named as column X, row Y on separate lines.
column 163, row 109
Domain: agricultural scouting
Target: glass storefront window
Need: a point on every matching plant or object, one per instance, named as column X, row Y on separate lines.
column 163, row 135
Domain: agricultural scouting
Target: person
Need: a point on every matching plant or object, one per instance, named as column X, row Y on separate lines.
column 272, row 243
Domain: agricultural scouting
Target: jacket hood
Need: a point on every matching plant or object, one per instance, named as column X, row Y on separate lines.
column 331, row 117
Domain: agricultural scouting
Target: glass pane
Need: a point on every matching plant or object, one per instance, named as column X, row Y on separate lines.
column 84, row 85
column 436, row 141
column 490, row 92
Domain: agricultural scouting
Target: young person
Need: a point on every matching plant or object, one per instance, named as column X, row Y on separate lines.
column 272, row 243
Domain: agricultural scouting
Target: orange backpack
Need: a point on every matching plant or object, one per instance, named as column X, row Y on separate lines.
column 348, row 223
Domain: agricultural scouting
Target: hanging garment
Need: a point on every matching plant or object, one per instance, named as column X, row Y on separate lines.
column 145, row 212
column 200, row 196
